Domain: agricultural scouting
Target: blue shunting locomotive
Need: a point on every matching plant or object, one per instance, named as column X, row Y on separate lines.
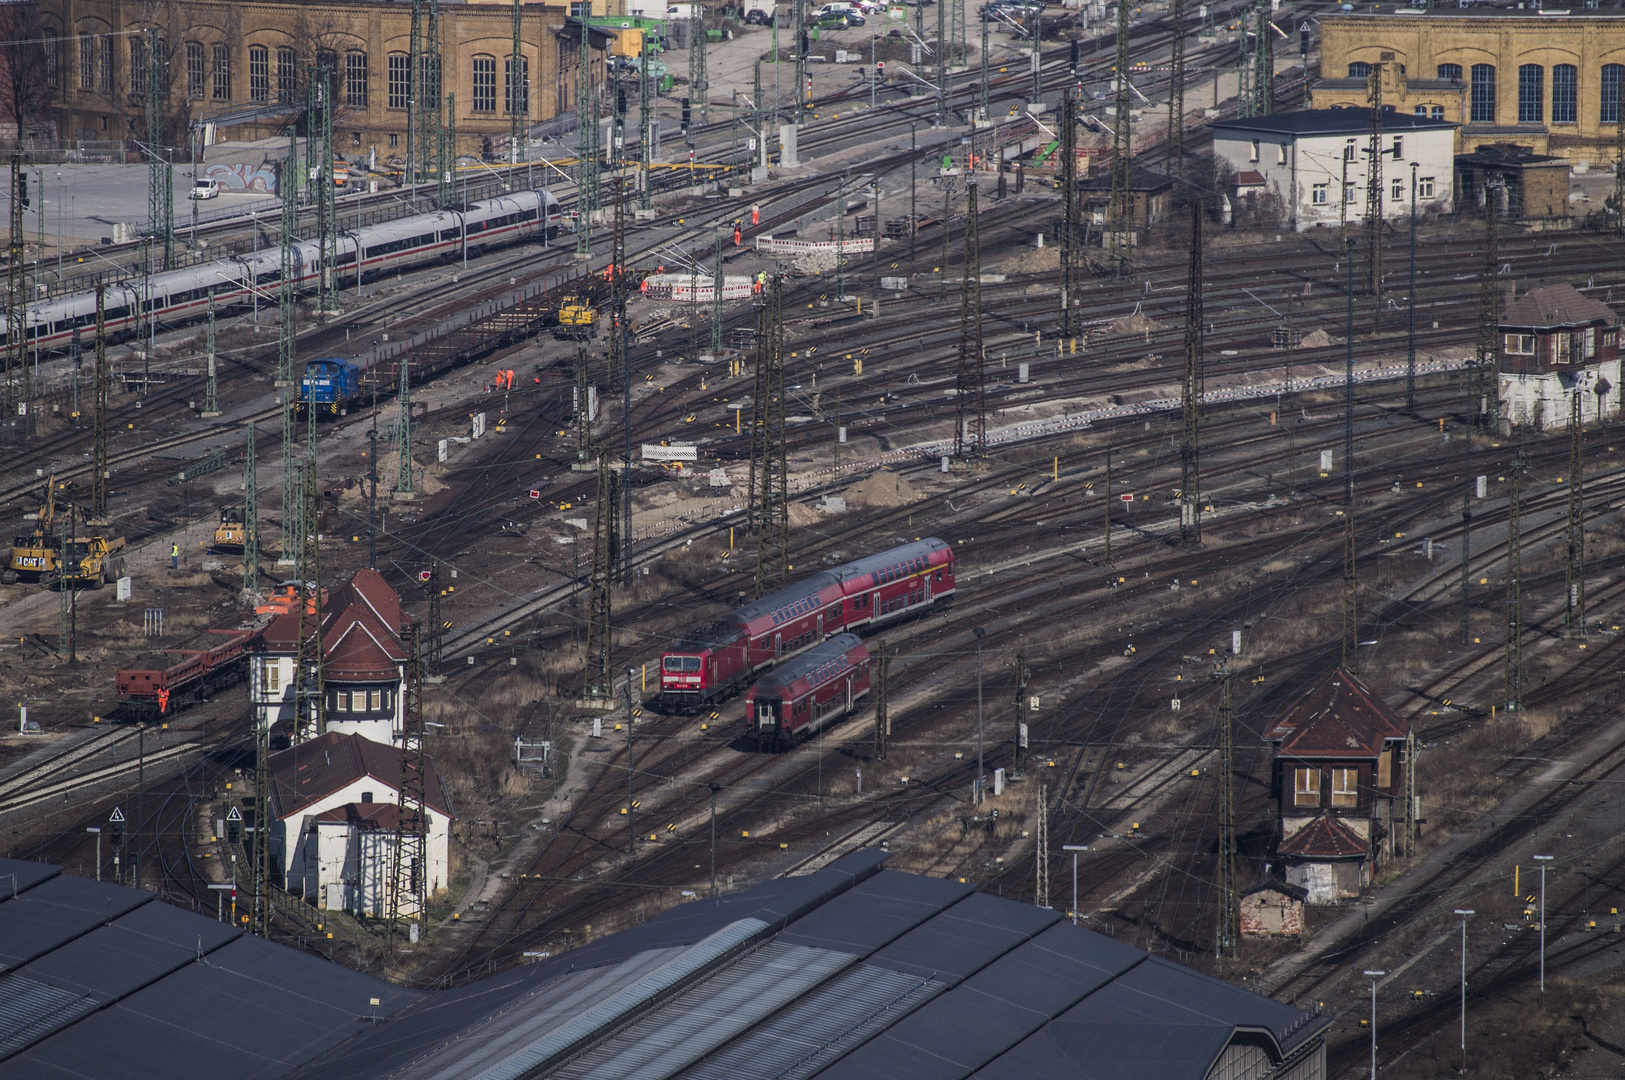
column 329, row 384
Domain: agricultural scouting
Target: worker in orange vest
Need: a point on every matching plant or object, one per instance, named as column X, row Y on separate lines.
column 738, row 235
column 755, row 214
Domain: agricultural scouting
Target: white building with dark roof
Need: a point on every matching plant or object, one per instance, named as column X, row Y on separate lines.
column 334, row 800
column 364, row 661
column 1317, row 162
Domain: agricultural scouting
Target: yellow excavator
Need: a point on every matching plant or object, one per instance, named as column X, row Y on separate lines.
column 229, row 534
column 577, row 318
column 93, row 560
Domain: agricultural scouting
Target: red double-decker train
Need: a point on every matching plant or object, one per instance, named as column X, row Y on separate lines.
column 801, row 697
column 860, row 596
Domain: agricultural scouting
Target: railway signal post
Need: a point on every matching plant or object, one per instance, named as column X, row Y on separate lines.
column 882, row 713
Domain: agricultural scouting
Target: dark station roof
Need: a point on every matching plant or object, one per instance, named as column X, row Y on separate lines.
column 853, row 971
column 1330, row 122
column 1336, row 716
column 1555, row 307
column 306, row 774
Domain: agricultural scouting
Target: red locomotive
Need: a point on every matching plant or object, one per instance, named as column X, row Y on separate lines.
column 153, row 693
column 871, row 592
column 796, row 700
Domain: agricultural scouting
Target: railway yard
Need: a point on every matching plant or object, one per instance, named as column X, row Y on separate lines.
column 1118, row 653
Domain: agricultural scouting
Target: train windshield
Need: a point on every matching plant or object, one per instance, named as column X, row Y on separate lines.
column 681, row 663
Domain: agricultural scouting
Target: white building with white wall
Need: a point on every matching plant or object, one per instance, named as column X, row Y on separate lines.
column 1317, row 162
column 334, row 803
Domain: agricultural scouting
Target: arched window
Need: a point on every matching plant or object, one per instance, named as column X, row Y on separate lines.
column 400, row 80
column 222, row 72
column 1359, row 69
column 287, row 75
column 139, row 63
column 259, row 73
column 1450, row 72
column 1483, row 94
column 1612, row 76
column 485, row 84
column 1565, row 93
column 52, row 56
column 518, row 88
column 1531, row 94
column 194, row 69
column 355, row 80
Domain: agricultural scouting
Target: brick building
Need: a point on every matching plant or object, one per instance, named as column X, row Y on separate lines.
column 1520, row 184
column 1338, row 775
column 243, row 67
column 1546, row 79
column 1558, row 344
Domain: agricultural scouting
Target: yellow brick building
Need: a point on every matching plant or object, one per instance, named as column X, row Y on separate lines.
column 1549, row 80
column 244, row 66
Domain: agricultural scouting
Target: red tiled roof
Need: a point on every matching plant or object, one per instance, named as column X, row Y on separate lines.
column 361, row 622
column 1325, row 838
column 1250, row 178
column 303, row 775
column 1336, row 716
column 383, row 816
column 1555, row 306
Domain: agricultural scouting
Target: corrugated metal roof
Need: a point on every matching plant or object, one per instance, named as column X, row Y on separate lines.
column 55, row 912
column 724, row 1005
column 875, row 913
column 819, row 1027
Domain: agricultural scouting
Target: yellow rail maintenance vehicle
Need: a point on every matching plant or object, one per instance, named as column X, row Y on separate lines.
column 34, row 556
column 93, row 561
column 578, row 320
column 230, row 534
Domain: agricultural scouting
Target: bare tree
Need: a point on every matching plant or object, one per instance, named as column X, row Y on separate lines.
column 25, row 93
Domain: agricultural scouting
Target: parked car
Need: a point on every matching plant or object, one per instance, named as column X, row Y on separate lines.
column 854, row 18
column 835, row 20
column 758, row 17
column 205, row 189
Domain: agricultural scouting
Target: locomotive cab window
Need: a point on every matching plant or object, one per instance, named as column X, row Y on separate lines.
column 682, row 663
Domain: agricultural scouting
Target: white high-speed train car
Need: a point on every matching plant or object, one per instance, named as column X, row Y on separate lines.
column 178, row 296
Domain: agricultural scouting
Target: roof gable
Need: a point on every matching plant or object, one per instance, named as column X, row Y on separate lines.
column 1336, row 716
column 304, row 775
column 1555, row 306
column 1325, row 838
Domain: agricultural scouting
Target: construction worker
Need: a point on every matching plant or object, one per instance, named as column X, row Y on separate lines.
column 174, row 556
column 755, row 214
column 738, row 235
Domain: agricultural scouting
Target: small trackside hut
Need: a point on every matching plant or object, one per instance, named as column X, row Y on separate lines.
column 817, row 689
column 871, row 592
column 1557, row 344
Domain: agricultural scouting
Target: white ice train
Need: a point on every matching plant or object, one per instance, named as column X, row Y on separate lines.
column 177, row 296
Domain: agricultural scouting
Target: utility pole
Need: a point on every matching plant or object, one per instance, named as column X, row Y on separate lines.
column 1410, row 330
column 1351, row 587
column 259, row 917
column 310, row 692
column 1041, row 832
column 437, row 624
column 1373, row 197
column 944, row 59
column 288, row 189
column 408, row 892
column 1071, row 249
column 211, row 392
column 424, row 63
column 98, row 482
column 586, row 398
column 1174, row 160
column 648, row 124
column 698, row 84
column 446, row 165
column 251, row 512
column 882, row 713
column 621, row 356
column 802, row 96
column 1190, row 494
column 631, row 805
column 970, row 374
column 403, row 433
column 1018, row 764
column 16, row 303
column 596, row 680
column 586, row 145
column 767, row 421
column 1122, row 150
column 983, row 87
column 716, row 298
column 518, row 93
column 1411, row 809
column 1514, row 639
column 1489, row 317
column 160, row 170
column 1348, row 384
column 1229, row 932
column 327, row 229
column 1467, row 528
column 1619, row 158
column 1107, row 492
column 1574, row 609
